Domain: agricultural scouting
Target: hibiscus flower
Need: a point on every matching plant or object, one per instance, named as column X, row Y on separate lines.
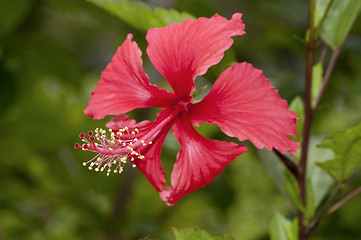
column 241, row 102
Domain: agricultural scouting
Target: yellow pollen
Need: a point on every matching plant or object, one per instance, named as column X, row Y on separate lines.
column 107, row 174
column 150, row 142
column 115, row 171
column 97, row 169
column 134, row 165
column 133, row 133
column 136, row 129
column 135, row 139
column 90, row 168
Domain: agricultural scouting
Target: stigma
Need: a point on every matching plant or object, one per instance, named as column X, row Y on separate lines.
column 114, row 149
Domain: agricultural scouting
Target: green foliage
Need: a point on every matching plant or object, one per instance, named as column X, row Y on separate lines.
column 196, row 234
column 298, row 108
column 12, row 13
column 51, row 55
column 310, row 202
column 347, row 149
column 317, row 77
column 140, row 15
column 339, row 20
column 319, row 182
column 283, row 229
column 293, row 190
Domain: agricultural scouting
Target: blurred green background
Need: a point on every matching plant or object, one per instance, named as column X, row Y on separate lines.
column 51, row 55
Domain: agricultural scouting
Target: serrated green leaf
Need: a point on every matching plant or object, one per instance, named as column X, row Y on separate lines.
column 283, row 229
column 196, row 234
column 317, row 77
column 347, row 149
column 140, row 15
column 293, row 190
column 339, row 20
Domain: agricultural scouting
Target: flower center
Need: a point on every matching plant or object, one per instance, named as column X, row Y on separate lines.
column 117, row 147
column 112, row 151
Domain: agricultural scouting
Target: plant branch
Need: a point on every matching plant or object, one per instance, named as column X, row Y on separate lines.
column 327, row 76
column 344, row 200
column 310, row 51
column 323, row 53
column 287, row 162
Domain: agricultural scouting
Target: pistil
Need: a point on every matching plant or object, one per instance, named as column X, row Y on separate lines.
column 117, row 147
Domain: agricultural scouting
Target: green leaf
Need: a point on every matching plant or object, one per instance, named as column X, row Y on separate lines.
column 293, row 190
column 310, row 202
column 283, row 229
column 297, row 107
column 320, row 181
column 317, row 77
column 196, row 234
column 140, row 15
column 339, row 20
column 347, row 149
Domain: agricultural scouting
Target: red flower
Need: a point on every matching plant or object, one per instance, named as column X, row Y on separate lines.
column 242, row 103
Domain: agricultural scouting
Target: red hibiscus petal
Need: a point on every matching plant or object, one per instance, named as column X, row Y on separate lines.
column 182, row 51
column 199, row 160
column 124, row 86
column 151, row 165
column 245, row 105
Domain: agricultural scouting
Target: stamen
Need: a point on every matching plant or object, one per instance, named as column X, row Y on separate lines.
column 114, row 151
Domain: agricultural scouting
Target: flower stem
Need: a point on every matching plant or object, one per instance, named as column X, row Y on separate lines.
column 310, row 51
column 287, row 162
column 344, row 200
